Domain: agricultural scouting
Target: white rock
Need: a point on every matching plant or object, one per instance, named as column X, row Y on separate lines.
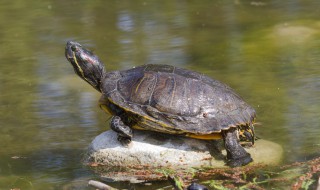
column 157, row 150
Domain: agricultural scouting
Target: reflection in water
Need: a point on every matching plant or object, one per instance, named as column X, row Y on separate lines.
column 149, row 30
column 268, row 52
column 234, row 38
column 64, row 113
column 165, row 47
column 126, row 27
column 125, row 22
column 303, row 112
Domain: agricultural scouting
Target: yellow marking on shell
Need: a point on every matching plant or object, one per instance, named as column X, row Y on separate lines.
column 137, row 88
column 138, row 127
column 173, row 91
column 105, row 108
column 80, row 69
column 213, row 136
column 144, row 116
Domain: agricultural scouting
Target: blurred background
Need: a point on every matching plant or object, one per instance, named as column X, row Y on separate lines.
column 267, row 51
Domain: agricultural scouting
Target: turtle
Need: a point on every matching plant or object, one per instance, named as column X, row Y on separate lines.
column 169, row 100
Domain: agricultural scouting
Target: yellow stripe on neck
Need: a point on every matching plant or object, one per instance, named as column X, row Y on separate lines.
column 75, row 60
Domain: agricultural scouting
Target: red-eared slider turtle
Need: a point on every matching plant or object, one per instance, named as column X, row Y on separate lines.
column 169, row 100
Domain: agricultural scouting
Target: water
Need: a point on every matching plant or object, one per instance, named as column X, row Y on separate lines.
column 268, row 51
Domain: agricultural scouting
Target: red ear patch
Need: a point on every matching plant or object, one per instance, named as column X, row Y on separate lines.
column 89, row 59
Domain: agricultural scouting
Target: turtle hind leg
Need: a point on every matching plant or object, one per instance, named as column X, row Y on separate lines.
column 124, row 131
column 236, row 154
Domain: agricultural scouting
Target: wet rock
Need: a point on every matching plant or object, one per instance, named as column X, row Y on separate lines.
column 156, row 150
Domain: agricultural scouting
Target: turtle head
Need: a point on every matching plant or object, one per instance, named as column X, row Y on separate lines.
column 85, row 64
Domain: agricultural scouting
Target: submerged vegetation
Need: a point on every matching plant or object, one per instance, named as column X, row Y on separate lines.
column 298, row 175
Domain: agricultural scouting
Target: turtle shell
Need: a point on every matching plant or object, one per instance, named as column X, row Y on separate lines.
column 172, row 100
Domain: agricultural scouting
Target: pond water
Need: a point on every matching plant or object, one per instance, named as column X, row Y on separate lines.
column 268, row 51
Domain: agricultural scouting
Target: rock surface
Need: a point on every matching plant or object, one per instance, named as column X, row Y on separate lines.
column 157, row 150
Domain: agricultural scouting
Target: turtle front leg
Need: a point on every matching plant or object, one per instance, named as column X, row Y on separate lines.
column 124, row 131
column 236, row 154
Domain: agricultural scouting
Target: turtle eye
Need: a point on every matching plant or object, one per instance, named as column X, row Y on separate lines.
column 74, row 48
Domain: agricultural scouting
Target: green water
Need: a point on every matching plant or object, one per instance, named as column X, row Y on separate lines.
column 268, row 51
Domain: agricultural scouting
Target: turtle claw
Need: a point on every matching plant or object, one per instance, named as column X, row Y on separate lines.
column 125, row 141
column 240, row 161
column 124, row 131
